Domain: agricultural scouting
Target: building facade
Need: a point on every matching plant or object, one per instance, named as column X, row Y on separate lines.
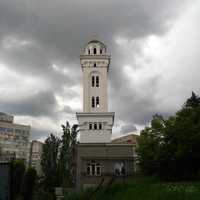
column 36, row 155
column 14, row 138
column 98, row 160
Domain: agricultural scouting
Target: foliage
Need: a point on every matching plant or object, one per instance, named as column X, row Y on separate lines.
column 42, row 194
column 67, row 155
column 143, row 189
column 29, row 183
column 49, row 161
column 58, row 160
column 18, row 170
column 170, row 147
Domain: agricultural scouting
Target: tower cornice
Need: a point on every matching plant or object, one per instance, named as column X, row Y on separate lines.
column 95, row 57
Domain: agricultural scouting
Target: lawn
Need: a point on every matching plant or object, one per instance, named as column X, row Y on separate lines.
column 142, row 189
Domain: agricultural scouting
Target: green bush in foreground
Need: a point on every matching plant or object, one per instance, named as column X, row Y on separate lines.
column 142, row 189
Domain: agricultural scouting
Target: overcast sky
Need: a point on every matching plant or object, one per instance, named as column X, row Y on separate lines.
column 155, row 62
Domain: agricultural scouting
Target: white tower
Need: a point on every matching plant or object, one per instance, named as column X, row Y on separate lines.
column 95, row 122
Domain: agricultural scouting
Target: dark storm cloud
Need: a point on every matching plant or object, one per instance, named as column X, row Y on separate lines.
column 40, row 104
column 53, row 32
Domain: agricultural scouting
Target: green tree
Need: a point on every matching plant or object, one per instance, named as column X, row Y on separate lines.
column 193, row 101
column 170, row 147
column 67, row 155
column 29, row 183
column 149, row 142
column 49, row 161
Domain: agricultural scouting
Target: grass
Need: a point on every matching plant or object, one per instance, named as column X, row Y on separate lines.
column 143, row 189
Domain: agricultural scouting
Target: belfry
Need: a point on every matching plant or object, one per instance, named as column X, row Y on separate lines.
column 98, row 160
column 95, row 122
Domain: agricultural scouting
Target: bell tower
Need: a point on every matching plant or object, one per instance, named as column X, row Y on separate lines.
column 95, row 122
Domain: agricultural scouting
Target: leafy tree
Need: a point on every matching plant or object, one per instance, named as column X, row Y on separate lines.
column 149, row 141
column 49, row 161
column 29, row 184
column 170, row 147
column 67, row 154
column 193, row 101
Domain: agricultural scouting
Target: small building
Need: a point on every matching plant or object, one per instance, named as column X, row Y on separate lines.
column 98, row 159
column 14, row 138
column 36, row 155
column 129, row 138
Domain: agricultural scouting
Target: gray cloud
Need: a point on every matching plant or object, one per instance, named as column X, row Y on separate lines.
column 69, row 110
column 128, row 128
column 34, row 35
column 40, row 104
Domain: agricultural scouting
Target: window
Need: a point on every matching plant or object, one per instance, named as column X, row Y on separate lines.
column 97, row 102
column 90, row 126
column 95, row 50
column 93, row 169
column 88, row 51
column 100, row 126
column 97, row 81
column 88, row 169
column 95, row 65
column 98, row 169
column 93, row 81
column 95, row 126
column 93, row 102
column 100, row 51
column 119, row 169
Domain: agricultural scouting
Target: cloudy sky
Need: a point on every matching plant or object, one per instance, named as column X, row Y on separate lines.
column 155, row 63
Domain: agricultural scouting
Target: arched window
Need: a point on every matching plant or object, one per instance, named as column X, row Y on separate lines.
column 97, row 81
column 93, row 102
column 100, row 51
column 95, row 65
column 95, row 126
column 88, row 51
column 93, row 81
column 95, row 51
column 90, row 126
column 97, row 102
column 100, row 126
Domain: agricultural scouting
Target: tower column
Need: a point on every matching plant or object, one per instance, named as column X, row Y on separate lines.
column 95, row 121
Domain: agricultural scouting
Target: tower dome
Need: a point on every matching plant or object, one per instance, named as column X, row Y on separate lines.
column 95, row 47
